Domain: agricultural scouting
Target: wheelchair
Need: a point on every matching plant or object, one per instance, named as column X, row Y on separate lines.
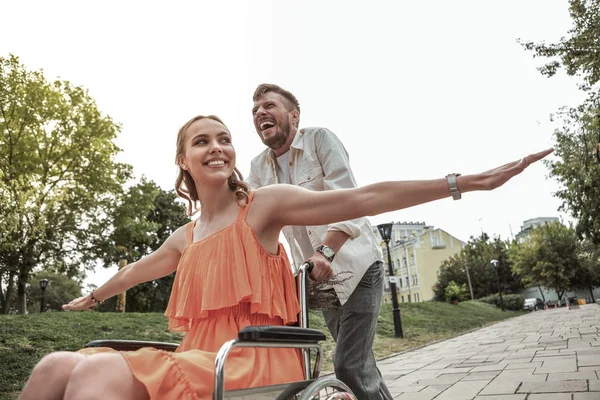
column 300, row 337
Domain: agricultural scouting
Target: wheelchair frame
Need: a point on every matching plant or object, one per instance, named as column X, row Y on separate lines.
column 301, row 337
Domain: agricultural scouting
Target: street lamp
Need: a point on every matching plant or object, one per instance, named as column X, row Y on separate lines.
column 385, row 230
column 43, row 286
column 495, row 264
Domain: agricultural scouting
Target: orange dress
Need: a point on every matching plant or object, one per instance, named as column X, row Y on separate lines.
column 223, row 283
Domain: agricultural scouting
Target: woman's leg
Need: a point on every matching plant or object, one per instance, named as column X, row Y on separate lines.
column 104, row 376
column 50, row 376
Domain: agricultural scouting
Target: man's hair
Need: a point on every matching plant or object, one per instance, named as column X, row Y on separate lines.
column 263, row 88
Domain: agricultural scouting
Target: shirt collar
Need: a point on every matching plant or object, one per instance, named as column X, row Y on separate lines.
column 297, row 144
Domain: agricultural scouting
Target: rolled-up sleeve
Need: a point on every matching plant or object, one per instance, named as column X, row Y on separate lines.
column 337, row 173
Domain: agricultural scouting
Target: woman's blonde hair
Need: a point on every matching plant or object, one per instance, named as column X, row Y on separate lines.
column 184, row 184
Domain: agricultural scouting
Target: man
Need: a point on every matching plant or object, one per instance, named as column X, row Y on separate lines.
column 315, row 158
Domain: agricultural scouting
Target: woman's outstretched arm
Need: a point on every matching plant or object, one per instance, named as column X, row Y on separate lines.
column 282, row 205
column 154, row 266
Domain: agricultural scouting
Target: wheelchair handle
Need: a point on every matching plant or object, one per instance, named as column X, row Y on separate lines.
column 308, row 266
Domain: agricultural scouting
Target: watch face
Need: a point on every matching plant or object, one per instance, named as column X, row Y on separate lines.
column 327, row 251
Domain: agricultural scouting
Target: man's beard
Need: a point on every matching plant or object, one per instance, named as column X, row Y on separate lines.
column 278, row 140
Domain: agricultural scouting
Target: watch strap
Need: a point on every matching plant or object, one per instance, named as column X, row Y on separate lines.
column 323, row 249
column 453, row 187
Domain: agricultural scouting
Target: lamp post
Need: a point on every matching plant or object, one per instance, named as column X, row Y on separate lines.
column 385, row 230
column 495, row 264
column 469, row 280
column 43, row 286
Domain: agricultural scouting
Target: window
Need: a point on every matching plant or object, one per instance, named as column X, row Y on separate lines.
column 408, row 297
column 402, row 298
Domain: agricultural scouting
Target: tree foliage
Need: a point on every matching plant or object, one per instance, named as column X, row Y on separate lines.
column 57, row 167
column 578, row 168
column 548, row 257
column 61, row 289
column 138, row 223
column 578, row 52
column 476, row 256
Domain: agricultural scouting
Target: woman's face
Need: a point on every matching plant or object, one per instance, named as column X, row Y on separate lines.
column 209, row 155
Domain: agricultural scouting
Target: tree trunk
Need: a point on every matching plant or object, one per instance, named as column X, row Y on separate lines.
column 10, row 287
column 21, row 294
column 592, row 293
column 559, row 296
column 121, row 296
column 542, row 293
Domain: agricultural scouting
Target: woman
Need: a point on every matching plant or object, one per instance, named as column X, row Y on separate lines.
column 231, row 272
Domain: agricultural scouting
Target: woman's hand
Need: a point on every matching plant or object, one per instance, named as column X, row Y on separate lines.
column 497, row 177
column 80, row 303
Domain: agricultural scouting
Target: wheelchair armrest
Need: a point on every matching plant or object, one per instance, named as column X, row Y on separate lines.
column 132, row 345
column 289, row 334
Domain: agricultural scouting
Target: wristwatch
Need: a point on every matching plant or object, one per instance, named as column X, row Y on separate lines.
column 452, row 186
column 327, row 252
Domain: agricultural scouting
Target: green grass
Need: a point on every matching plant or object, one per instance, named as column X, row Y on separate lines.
column 25, row 339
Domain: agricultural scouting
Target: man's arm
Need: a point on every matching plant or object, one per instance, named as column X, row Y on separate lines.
column 337, row 172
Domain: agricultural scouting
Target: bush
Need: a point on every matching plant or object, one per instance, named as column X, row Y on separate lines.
column 454, row 292
column 511, row 301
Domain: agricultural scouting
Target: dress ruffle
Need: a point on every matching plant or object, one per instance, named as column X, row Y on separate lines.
column 223, row 260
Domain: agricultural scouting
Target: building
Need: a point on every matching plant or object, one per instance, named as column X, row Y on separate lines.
column 530, row 224
column 417, row 251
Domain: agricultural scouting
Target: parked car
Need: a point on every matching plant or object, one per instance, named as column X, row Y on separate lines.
column 533, row 304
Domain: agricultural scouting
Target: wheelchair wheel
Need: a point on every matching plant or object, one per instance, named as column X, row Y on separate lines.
column 327, row 389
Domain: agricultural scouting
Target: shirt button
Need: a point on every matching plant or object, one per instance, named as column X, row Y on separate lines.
column 308, row 178
column 291, row 163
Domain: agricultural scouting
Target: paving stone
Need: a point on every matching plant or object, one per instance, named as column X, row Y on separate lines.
column 501, row 387
column 553, row 387
column 572, row 376
column 588, row 360
column 445, row 379
column 462, row 390
column 523, row 365
column 586, row 396
column 492, row 367
column 502, row 397
column 550, row 396
column 476, row 376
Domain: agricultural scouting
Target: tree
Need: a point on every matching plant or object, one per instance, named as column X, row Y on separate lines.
column 61, row 289
column 576, row 142
column 476, row 255
column 548, row 257
column 579, row 52
column 589, row 257
column 577, row 170
column 139, row 222
column 57, row 167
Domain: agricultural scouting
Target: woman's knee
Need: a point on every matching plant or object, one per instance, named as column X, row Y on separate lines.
column 57, row 366
column 103, row 375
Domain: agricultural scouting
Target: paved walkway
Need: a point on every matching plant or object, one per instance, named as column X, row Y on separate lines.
column 544, row 355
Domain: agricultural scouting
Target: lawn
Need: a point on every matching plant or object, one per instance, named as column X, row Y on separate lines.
column 24, row 339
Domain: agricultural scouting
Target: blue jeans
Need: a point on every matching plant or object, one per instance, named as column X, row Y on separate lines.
column 353, row 329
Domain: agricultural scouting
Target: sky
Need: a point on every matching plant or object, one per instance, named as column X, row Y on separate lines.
column 415, row 90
